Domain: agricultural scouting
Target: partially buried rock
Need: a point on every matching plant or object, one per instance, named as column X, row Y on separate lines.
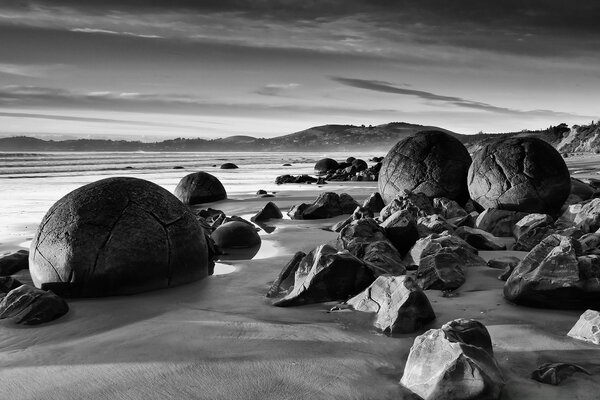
column 587, row 328
column 285, row 280
column 118, row 236
column 14, row 262
column 229, row 166
column 499, row 223
column 519, row 174
column 331, row 276
column 506, row 263
column 447, row 364
column 327, row 205
column 31, row 306
column 401, row 306
column 236, row 235
column 479, row 239
column 200, row 187
column 555, row 373
column 269, row 211
column 442, row 271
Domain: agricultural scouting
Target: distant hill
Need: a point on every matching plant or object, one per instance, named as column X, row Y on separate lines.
column 585, row 138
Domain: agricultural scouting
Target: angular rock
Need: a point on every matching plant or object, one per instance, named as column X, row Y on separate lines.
column 433, row 224
column 435, row 242
column 7, row 284
column 374, row 203
column 31, row 306
column 331, row 276
column 441, row 271
column 347, row 203
column 582, row 189
column 327, row 205
column 448, row 208
column 555, row 373
column 200, row 187
column 479, row 238
column 297, row 211
column 444, row 365
column 417, row 203
column 295, row 179
column 269, row 211
column 383, row 258
column 531, row 222
column 586, row 216
column 14, row 262
column 285, row 280
column 401, row 306
column 401, row 229
column 587, row 328
column 498, row 222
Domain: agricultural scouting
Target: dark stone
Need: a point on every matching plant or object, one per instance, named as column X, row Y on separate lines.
column 327, row 205
column 229, row 166
column 448, row 208
column 499, row 223
column 286, row 165
column 430, row 162
column 31, row 306
column 7, row 284
column 401, row 229
column 360, row 165
column 436, row 242
column 326, row 164
column 469, row 331
column 118, row 236
column 417, row 203
column 178, row 167
column 347, row 203
column 295, row 179
column 530, row 223
column 14, row 262
column 520, row 174
column 479, row 239
column 200, row 187
column 269, row 211
column 441, row 271
column 331, row 276
column 261, row 192
column 285, row 280
column 581, row 189
column 555, row 373
column 349, row 160
column 374, row 203
column 236, row 235
column 297, row 211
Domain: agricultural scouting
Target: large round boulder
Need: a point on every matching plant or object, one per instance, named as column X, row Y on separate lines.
column 236, row 235
column 430, row 162
column 200, row 187
column 117, row 236
column 326, row 164
column 520, row 174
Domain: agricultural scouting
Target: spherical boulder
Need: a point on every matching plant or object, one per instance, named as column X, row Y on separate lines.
column 429, row 162
column 326, row 164
column 360, row 165
column 117, row 236
column 200, row 187
column 520, row 174
column 236, row 235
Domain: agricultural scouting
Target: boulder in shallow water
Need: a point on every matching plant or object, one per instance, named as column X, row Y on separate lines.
column 587, row 328
column 400, row 304
column 441, row 271
column 31, row 306
column 118, row 236
column 332, row 275
column 453, row 363
column 200, row 187
column 269, row 211
column 499, row 223
column 236, row 235
column 14, row 262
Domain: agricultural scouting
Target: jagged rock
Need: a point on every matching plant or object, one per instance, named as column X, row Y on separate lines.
column 479, row 239
column 359, row 213
column 450, row 364
column 374, row 203
column 441, row 271
column 555, row 373
column 383, row 258
column 14, row 262
column 430, row 162
column 498, row 222
column 401, row 229
column 531, row 222
column 550, row 277
column 359, row 233
column 435, row 242
column 297, row 211
column 331, row 276
column 590, row 242
column 586, row 216
column 200, row 187
column 295, row 179
column 285, row 280
column 587, row 328
column 327, row 205
column 31, row 306
column 236, row 235
column 229, row 166
column 118, row 236
column 401, row 306
column 342, row 224
column 417, row 203
column 448, row 208
column 520, row 174
column 433, row 224
column 269, row 211
column 326, row 164
column 467, row 220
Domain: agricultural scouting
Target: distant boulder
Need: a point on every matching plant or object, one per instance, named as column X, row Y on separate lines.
column 236, row 235
column 326, row 164
column 200, row 187
column 229, row 166
column 327, row 205
column 360, row 165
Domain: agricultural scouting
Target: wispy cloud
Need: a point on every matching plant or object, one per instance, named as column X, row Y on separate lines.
column 28, row 70
column 109, row 32
column 277, row 89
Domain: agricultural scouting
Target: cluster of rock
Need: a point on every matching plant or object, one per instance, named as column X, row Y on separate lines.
column 328, row 169
column 327, row 205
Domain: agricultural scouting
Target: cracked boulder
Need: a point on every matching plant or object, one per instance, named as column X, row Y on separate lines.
column 31, row 306
column 553, row 276
column 200, row 187
column 455, row 362
column 400, row 304
column 118, row 236
column 429, row 162
column 327, row 275
column 587, row 328
column 519, row 174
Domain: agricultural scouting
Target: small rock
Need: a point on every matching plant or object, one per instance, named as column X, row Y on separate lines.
column 297, row 211
column 285, row 280
column 269, row 211
column 587, row 328
column 555, row 373
column 261, row 191
column 31, row 306
column 229, row 166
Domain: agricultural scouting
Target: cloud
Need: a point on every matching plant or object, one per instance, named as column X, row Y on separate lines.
column 386, row 87
column 83, row 119
column 108, row 32
column 28, row 70
column 276, row 89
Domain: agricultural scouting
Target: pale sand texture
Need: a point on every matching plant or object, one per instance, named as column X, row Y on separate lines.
column 221, row 339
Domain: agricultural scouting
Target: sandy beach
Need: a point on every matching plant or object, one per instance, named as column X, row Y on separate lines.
column 220, row 338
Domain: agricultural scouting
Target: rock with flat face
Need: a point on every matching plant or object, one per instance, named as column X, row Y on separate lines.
column 14, row 262
column 433, row 224
column 531, row 222
column 417, row 203
column 430, row 162
column 347, row 203
column 374, row 203
column 448, row 208
column 479, row 238
column 451, row 364
column 285, row 280
column 499, row 223
column 297, row 211
column 31, row 306
column 550, row 277
column 118, row 236
column 401, row 229
column 441, row 271
column 236, row 235
column 586, row 216
column 326, row 164
column 200, row 187
column 519, row 174
column 330, row 276
column 327, row 205
column 401, row 306
column 383, row 258
column 269, row 211
column 587, row 328
column 435, row 242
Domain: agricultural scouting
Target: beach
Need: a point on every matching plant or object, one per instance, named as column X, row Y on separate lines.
column 220, row 338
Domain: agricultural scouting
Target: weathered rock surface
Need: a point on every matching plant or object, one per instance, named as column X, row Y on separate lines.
column 479, row 238
column 297, row 211
column 531, row 222
column 441, row 271
column 31, row 306
column 285, row 280
column 236, row 235
column 586, row 216
column 295, row 179
column 507, row 264
column 499, row 223
column 327, row 205
column 435, row 242
column 374, row 203
column 448, row 208
column 519, row 174
column 417, row 203
column 450, row 364
column 401, row 229
column 401, row 306
column 550, row 277
column 200, row 187
column 7, row 284
column 430, row 162
column 433, row 224
column 331, row 276
column 118, row 236
column 269, row 211
column 14, row 262
column 555, row 373
column 587, row 328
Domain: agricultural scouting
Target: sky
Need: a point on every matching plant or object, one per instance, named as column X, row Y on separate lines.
column 152, row 69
